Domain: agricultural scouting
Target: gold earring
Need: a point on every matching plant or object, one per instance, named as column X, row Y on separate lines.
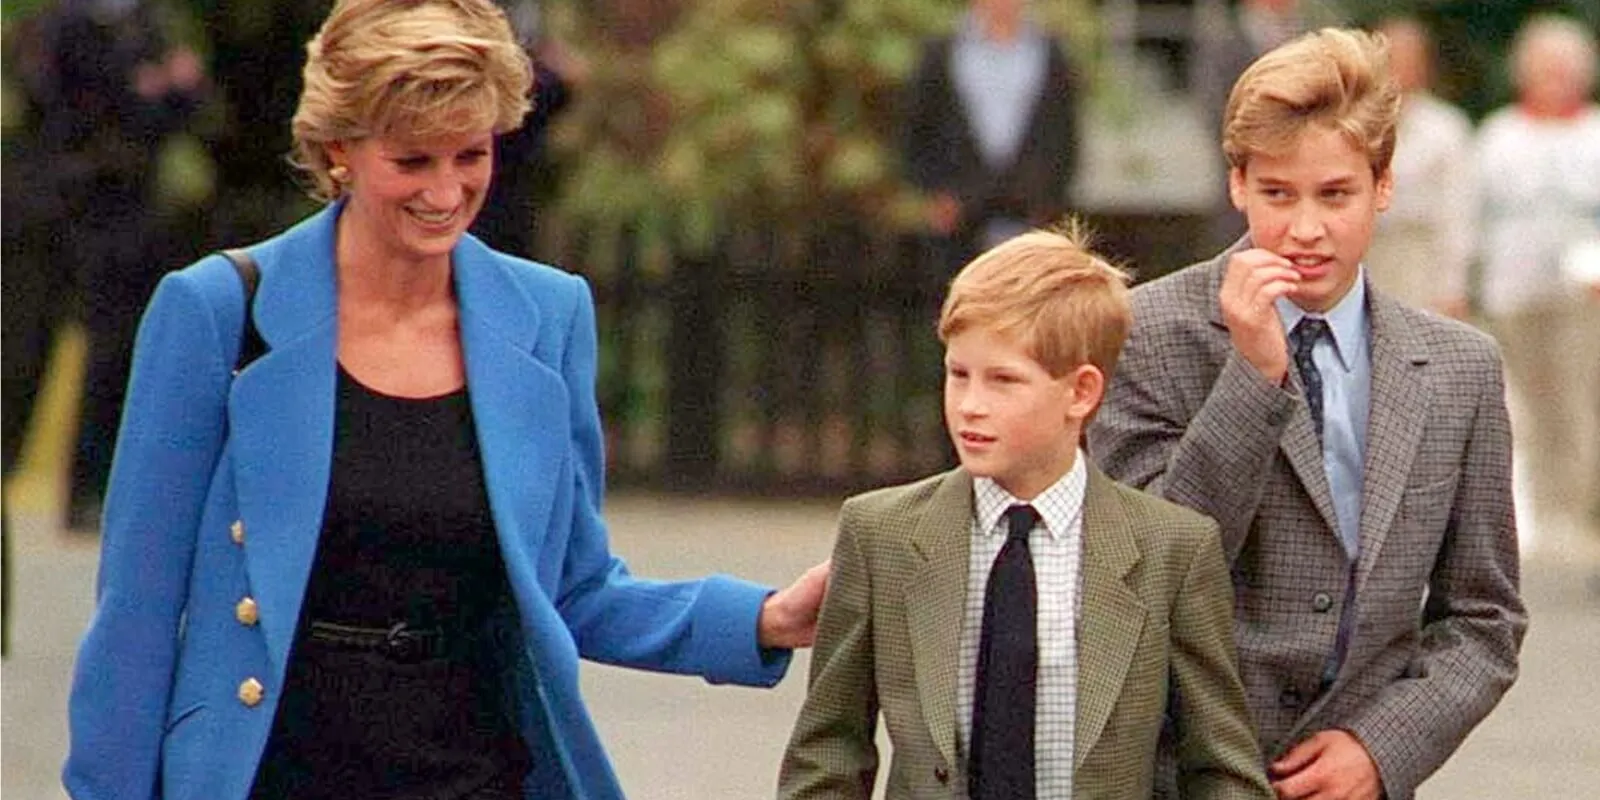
column 339, row 173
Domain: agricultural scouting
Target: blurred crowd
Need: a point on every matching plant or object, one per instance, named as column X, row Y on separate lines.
column 1497, row 223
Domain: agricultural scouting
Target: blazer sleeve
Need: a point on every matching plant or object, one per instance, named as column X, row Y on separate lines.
column 702, row 627
column 1217, row 753
column 167, row 449
column 832, row 752
column 1216, row 460
column 1473, row 621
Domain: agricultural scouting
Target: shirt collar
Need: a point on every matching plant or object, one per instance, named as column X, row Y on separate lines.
column 1060, row 507
column 1347, row 320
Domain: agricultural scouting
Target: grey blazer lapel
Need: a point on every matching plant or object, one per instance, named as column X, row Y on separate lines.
column 1299, row 445
column 1304, row 454
column 1396, row 419
column 1112, row 619
column 936, row 604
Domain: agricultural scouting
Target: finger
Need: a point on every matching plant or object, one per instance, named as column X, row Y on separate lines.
column 1242, row 264
column 1262, row 276
column 1301, row 786
column 1247, row 288
column 1257, row 308
column 1271, row 291
column 1298, row 757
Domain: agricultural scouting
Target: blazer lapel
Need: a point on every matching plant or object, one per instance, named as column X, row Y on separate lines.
column 1112, row 619
column 1304, row 453
column 280, row 414
column 936, row 604
column 1396, row 418
column 520, row 407
column 1299, row 445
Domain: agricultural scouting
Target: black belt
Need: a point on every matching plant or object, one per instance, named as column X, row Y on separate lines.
column 399, row 642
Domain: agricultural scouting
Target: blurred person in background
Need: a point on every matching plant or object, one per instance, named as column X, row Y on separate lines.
column 366, row 562
column 254, row 54
column 991, row 132
column 1423, row 244
column 524, row 177
column 1539, row 169
column 106, row 90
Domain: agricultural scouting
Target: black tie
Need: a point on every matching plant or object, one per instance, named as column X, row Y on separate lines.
column 1008, row 660
column 1305, row 338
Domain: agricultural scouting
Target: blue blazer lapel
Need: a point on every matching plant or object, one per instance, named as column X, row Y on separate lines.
column 520, row 406
column 280, row 413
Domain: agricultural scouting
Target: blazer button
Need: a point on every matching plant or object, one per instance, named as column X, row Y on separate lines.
column 941, row 775
column 247, row 612
column 1290, row 698
column 1321, row 602
column 236, row 531
column 251, row 692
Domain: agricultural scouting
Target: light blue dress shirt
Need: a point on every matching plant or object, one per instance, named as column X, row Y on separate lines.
column 998, row 84
column 1345, row 361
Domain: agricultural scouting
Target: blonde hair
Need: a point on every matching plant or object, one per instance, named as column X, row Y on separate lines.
column 1067, row 306
column 423, row 68
column 1559, row 35
column 1335, row 77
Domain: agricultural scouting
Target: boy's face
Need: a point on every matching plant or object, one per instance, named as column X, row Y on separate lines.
column 1314, row 205
column 1008, row 418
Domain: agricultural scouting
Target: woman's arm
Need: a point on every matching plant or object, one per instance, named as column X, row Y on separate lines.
column 172, row 431
column 705, row 627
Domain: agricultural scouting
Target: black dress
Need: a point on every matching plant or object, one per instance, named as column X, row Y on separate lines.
column 407, row 541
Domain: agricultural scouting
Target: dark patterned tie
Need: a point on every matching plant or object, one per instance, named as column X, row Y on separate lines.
column 1008, row 661
column 1305, row 338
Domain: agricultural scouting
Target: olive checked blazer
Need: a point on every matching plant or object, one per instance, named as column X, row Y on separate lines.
column 217, row 494
column 1154, row 624
column 1438, row 618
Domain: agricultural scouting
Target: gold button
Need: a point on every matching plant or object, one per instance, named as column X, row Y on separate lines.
column 236, row 531
column 250, row 692
column 247, row 612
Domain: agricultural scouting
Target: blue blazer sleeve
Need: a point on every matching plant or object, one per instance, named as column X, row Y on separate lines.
column 172, row 434
column 705, row 627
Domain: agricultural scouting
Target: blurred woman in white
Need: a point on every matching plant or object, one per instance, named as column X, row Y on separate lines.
column 1539, row 167
column 1425, row 240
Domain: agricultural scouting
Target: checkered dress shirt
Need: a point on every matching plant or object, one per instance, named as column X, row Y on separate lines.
column 1056, row 544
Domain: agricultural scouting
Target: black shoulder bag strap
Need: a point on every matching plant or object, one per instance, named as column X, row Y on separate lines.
column 251, row 345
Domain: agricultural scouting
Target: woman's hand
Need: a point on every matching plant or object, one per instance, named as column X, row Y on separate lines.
column 789, row 616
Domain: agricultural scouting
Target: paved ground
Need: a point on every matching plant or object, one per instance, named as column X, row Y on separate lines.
column 674, row 737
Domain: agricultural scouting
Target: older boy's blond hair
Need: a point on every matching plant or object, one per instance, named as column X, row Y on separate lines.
column 1066, row 306
column 416, row 68
column 1335, row 77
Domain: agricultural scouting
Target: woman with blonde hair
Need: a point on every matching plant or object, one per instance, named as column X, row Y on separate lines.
column 365, row 562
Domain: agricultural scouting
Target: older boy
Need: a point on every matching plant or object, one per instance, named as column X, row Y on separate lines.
column 1022, row 622
column 1355, row 451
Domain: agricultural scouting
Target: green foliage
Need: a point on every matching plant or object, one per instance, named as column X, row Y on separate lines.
column 747, row 109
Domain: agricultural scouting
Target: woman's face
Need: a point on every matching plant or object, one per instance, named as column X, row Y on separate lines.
column 412, row 198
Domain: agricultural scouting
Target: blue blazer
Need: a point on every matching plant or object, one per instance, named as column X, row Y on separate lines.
column 217, row 495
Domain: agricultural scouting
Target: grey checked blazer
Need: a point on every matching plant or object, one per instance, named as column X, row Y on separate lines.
column 1154, row 624
column 1439, row 619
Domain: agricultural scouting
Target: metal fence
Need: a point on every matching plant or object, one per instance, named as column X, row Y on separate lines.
column 785, row 363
